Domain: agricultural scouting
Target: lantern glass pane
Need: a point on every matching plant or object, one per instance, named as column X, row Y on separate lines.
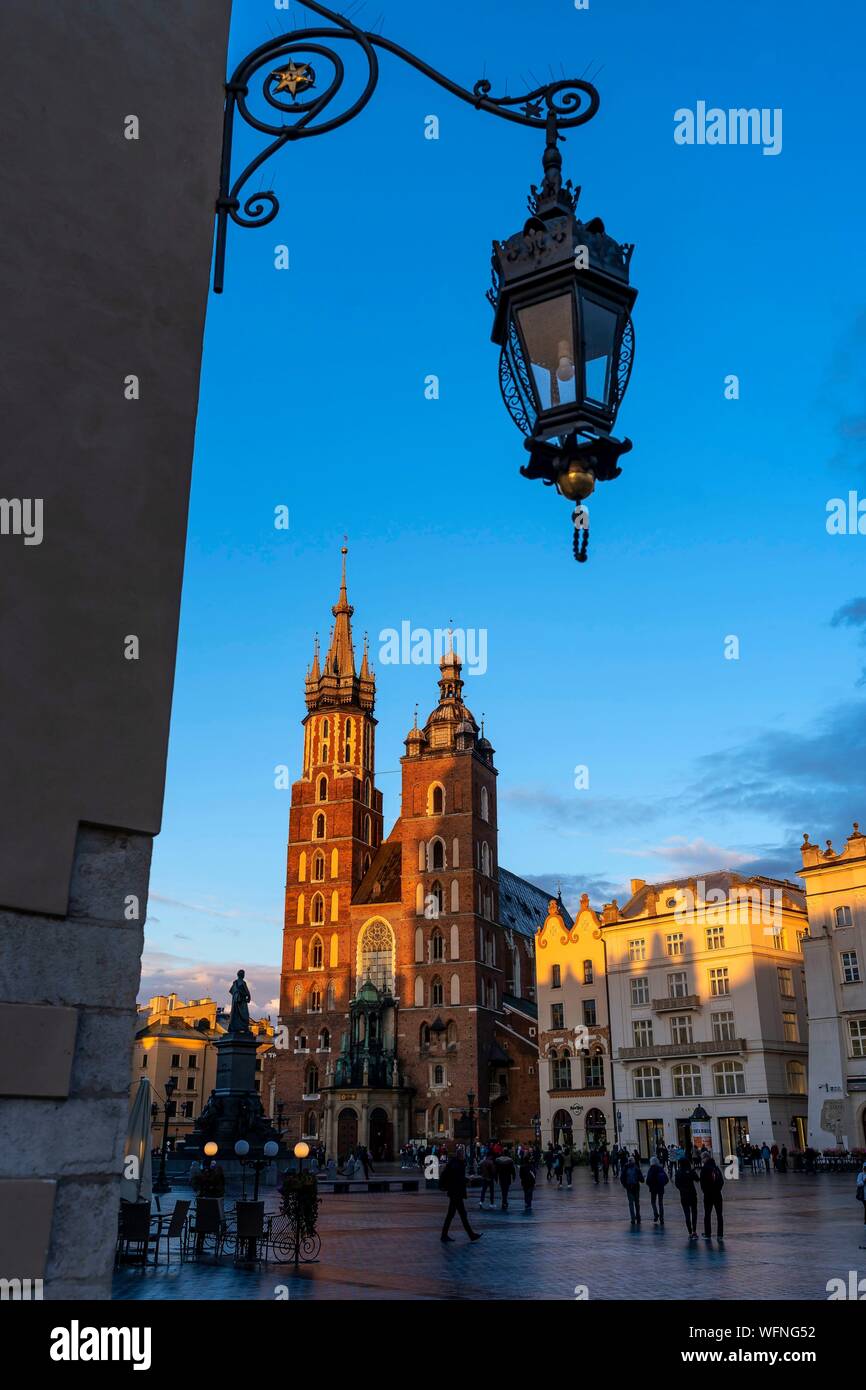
column 547, row 330
column 599, row 343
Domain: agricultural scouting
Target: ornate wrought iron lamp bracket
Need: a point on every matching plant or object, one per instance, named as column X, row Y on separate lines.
column 552, row 108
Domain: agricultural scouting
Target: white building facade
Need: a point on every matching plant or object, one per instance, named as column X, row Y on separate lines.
column 708, row 1013
column 835, row 958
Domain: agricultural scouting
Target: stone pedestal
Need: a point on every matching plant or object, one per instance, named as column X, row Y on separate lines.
column 234, row 1110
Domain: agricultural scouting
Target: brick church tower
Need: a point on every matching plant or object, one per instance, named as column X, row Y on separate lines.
column 408, row 973
column 335, row 826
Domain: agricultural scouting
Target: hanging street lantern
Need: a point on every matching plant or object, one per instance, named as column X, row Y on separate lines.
column 561, row 295
column 562, row 318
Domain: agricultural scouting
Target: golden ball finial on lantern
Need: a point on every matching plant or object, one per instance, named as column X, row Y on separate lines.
column 576, row 482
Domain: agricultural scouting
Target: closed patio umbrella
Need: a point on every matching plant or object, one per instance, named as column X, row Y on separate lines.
column 138, row 1186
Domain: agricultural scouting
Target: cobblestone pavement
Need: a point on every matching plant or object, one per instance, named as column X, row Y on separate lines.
column 785, row 1236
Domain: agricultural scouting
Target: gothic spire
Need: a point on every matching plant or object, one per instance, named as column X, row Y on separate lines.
column 340, row 660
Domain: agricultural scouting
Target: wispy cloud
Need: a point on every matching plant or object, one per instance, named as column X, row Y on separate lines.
column 165, row 973
column 231, row 914
column 691, row 854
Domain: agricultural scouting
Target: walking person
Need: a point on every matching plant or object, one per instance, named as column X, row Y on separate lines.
column 605, row 1164
column 558, row 1166
column 527, row 1181
column 684, row 1178
column 570, row 1161
column 487, row 1173
column 712, row 1183
column 631, row 1178
column 861, row 1194
column 594, row 1163
column 505, row 1175
column 452, row 1180
column 765, row 1155
column 548, row 1160
column 657, row 1181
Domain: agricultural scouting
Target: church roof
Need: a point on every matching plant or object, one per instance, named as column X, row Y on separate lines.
column 385, row 870
column 523, row 905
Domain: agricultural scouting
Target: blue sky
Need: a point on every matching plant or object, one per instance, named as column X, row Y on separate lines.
column 312, row 396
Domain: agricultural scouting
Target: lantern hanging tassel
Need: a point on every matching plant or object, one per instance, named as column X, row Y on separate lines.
column 580, row 517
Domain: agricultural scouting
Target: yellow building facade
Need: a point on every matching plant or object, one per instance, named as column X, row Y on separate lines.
column 576, row 1104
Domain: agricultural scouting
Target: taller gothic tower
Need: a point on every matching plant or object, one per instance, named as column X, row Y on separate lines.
column 335, row 826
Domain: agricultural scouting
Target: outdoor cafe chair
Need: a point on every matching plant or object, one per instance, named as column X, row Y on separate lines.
column 133, row 1229
column 171, row 1226
column 207, row 1224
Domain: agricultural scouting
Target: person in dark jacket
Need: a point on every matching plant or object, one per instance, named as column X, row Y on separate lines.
column 657, row 1181
column 452, row 1180
column 687, row 1188
column 527, row 1180
column 505, row 1175
column 559, row 1165
column 712, row 1183
column 605, row 1161
column 548, row 1160
column 594, row 1163
column 631, row 1178
column 487, row 1173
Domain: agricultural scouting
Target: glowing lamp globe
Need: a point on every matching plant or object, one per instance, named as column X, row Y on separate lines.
column 302, row 1149
column 271, row 1149
column 242, row 1148
column 211, row 1149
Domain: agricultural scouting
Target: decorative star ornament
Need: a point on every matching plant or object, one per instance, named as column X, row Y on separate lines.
column 295, row 78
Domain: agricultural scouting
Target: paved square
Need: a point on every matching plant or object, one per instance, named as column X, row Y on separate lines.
column 786, row 1236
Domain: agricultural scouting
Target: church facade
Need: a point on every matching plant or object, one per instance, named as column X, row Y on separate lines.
column 407, row 998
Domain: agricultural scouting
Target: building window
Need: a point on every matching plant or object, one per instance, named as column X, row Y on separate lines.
column 437, row 855
column 192, row 1063
column 647, row 1083
column 857, row 1034
column 678, row 985
column 437, row 992
column 723, row 1027
column 325, row 1040
column 789, row 1026
column 317, row 954
column 778, row 934
column 687, row 1080
column 323, row 789
column 637, row 949
column 715, row 938
column 557, row 1019
column 485, row 804
column 317, row 910
column 593, row 1073
column 589, row 1013
column 315, row 1001
column 675, row 943
column 319, row 827
column 844, row 917
column 729, row 1079
column 330, row 998
column 560, row 1071
column 144, row 1059
column 376, row 955
column 640, row 989
column 556, row 977
column 786, row 982
column 311, row 1085
column 438, row 1075
column 190, row 1083
column 796, row 1075
column 319, row 868
column 437, row 801
column 437, row 945
column 681, row 1028
column 719, row 982
column 175, row 1059
column 642, row 1031
column 850, row 968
